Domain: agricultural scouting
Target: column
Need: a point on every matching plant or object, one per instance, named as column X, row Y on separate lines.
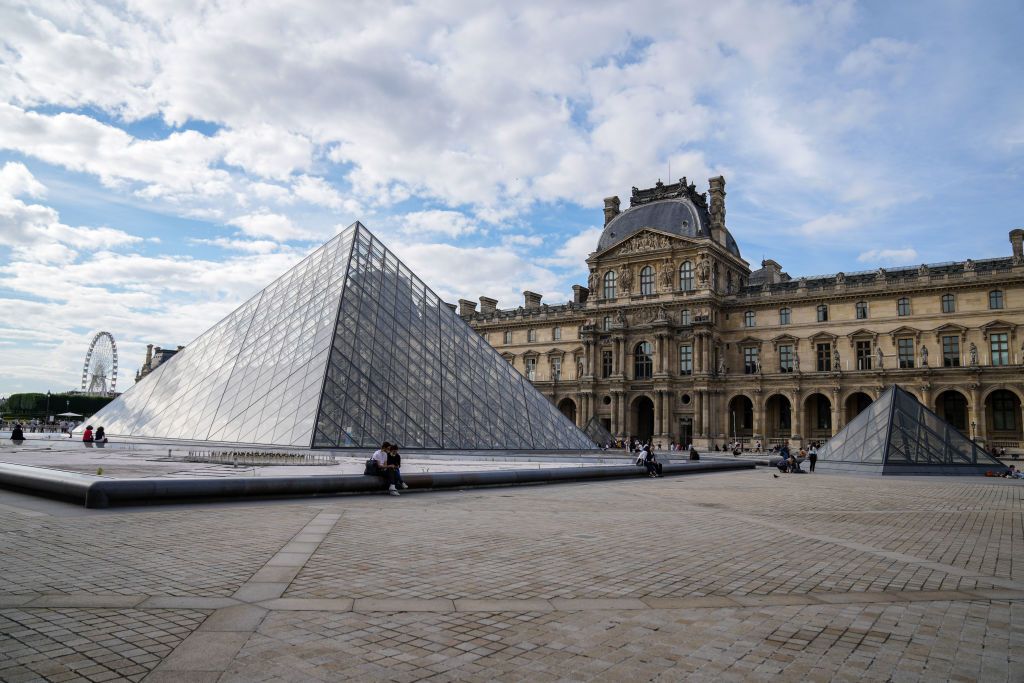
column 657, row 412
column 796, row 414
column 616, row 368
column 698, row 413
column 622, row 413
column 977, row 413
column 667, row 427
column 624, row 348
column 758, row 418
column 835, row 415
column 706, row 417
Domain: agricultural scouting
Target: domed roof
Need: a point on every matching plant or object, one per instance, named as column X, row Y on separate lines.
column 677, row 209
column 676, row 215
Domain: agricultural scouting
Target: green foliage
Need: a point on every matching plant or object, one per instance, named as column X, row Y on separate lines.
column 34, row 405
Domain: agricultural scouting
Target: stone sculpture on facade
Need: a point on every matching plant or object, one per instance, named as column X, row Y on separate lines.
column 973, row 355
column 626, row 279
column 796, row 363
column 881, row 357
column 924, row 356
column 594, row 281
column 666, row 276
column 835, row 360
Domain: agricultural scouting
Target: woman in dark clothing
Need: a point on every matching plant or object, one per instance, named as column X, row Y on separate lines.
column 17, row 434
column 395, row 463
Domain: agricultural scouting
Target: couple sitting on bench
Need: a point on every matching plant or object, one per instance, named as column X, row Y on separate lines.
column 387, row 464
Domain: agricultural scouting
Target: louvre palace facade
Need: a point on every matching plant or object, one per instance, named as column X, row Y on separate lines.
column 675, row 338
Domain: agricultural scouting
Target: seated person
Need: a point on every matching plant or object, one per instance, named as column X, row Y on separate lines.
column 651, row 463
column 17, row 434
column 394, row 462
column 378, row 467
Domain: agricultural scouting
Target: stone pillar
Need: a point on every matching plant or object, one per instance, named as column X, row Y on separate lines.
column 657, row 413
column 796, row 414
column 667, row 424
column 835, row 415
column 616, row 368
column 698, row 413
column 622, row 412
column 977, row 412
column 758, row 417
column 624, row 349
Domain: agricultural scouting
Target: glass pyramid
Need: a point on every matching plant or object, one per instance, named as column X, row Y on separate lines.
column 347, row 349
column 898, row 435
column 597, row 433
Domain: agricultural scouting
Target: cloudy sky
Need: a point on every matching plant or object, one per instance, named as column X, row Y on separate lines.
column 161, row 161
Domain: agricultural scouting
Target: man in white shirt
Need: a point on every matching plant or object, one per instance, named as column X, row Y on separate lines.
column 379, row 467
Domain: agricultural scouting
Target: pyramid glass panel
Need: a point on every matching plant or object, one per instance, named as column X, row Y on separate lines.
column 898, row 435
column 597, row 433
column 348, row 348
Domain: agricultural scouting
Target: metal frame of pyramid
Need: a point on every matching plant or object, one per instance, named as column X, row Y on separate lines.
column 897, row 434
column 597, row 432
column 347, row 349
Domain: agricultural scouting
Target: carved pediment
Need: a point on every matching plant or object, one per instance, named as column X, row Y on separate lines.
column 750, row 341
column 784, row 339
column 998, row 326
column 645, row 241
column 862, row 334
column 906, row 331
column 951, row 329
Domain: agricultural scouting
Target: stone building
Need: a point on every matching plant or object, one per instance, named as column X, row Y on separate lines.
column 155, row 357
column 676, row 338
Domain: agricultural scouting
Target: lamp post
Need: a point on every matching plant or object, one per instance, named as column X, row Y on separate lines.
column 47, row 407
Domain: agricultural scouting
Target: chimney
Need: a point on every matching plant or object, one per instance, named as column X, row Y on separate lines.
column 1017, row 242
column 716, row 189
column 532, row 300
column 149, row 355
column 487, row 305
column 774, row 274
column 579, row 294
column 611, row 209
column 466, row 307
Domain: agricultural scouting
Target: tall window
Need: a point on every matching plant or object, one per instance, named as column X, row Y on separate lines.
column 863, row 353
column 995, row 299
column 531, row 335
column 531, row 369
column 784, row 315
column 556, row 368
column 606, row 323
column 606, row 363
column 824, row 357
column 948, row 303
column 609, row 285
column 905, row 352
column 824, row 411
column 1004, row 411
column 951, row 351
column 822, row 313
column 862, row 310
column 750, row 360
column 786, row 358
column 508, row 336
column 903, row 306
column 685, row 359
column 556, row 333
column 643, row 361
column 686, row 276
column 647, row 281
column 999, row 344
column 749, row 319
column 684, row 317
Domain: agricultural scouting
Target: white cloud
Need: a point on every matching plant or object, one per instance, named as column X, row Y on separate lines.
column 576, row 249
column 876, row 56
column 522, row 240
column 273, row 225
column 450, row 223
column 828, row 225
column 16, row 180
column 246, row 246
column 318, row 191
column 892, row 256
column 266, row 151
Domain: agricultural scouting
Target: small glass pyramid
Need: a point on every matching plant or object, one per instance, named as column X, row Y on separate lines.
column 597, row 433
column 347, row 349
column 898, row 435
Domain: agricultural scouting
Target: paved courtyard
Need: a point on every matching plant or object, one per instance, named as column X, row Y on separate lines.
column 716, row 577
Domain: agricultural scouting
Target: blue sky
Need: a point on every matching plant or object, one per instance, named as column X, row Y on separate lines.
column 161, row 162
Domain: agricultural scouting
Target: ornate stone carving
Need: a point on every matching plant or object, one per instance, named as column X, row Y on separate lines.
column 969, row 265
column 644, row 242
column 621, row 317
column 703, row 269
column 721, row 363
column 923, row 271
column 673, row 191
column 881, row 357
column 840, row 278
column 835, row 360
column 880, row 274
column 972, row 353
column 662, row 313
column 667, row 276
column 593, row 282
column 796, row 362
column 924, row 356
column 626, row 279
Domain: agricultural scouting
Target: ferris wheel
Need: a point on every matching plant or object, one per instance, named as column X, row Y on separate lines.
column 99, row 373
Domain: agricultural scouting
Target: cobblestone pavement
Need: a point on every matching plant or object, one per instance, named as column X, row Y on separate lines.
column 718, row 577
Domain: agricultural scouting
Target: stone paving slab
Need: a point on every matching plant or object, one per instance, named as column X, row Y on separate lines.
column 729, row 577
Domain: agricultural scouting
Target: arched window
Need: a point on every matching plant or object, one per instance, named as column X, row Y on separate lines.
column 609, row 285
column 749, row 319
column 903, row 306
column 862, row 310
column 647, row 281
column 822, row 313
column 686, row 276
column 606, row 323
column 948, row 303
column 643, row 361
column 784, row 315
column 995, row 299
column 684, row 317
